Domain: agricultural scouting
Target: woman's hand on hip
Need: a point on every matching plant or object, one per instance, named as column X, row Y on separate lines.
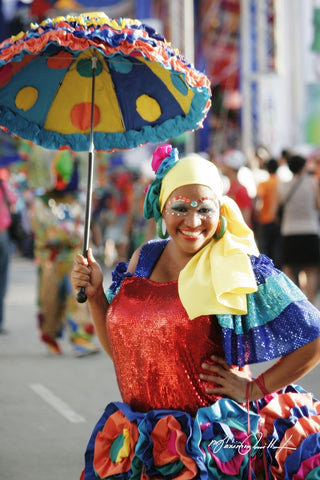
column 230, row 381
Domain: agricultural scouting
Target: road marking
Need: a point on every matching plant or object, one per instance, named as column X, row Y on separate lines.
column 57, row 403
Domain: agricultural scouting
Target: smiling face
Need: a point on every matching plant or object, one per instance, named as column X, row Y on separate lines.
column 191, row 214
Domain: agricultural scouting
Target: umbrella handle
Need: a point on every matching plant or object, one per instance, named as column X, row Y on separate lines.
column 81, row 295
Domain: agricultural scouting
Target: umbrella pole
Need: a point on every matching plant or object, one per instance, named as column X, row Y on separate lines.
column 81, row 295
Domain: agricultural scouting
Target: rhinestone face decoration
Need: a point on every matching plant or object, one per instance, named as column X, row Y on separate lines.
column 182, row 206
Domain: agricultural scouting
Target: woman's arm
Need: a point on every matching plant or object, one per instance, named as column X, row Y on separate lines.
column 233, row 381
column 290, row 368
column 86, row 272
column 98, row 306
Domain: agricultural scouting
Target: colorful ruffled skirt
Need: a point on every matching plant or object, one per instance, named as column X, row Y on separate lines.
column 282, row 441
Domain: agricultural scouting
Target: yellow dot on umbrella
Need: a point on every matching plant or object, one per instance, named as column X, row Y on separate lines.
column 26, row 98
column 148, row 108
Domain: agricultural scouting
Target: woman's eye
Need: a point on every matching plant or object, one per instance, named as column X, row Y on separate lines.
column 205, row 210
column 179, row 208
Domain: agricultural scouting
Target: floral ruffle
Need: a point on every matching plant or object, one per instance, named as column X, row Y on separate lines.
column 112, row 444
column 290, row 423
column 167, row 444
column 214, row 445
column 220, row 432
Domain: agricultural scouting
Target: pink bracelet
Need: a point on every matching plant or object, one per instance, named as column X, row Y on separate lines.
column 260, row 382
column 248, row 426
column 261, row 385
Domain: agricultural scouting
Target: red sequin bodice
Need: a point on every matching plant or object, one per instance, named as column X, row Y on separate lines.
column 157, row 350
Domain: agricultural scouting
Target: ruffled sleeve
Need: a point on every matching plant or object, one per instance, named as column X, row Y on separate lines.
column 280, row 319
column 118, row 275
column 148, row 257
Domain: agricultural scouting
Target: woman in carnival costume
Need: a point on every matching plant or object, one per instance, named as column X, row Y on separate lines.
column 56, row 221
column 182, row 322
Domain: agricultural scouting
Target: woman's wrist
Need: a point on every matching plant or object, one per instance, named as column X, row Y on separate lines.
column 257, row 388
column 98, row 303
column 98, row 294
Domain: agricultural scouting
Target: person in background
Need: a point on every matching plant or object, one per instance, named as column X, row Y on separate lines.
column 182, row 321
column 96, row 228
column 138, row 229
column 266, row 205
column 56, row 221
column 102, row 216
column 300, row 250
column 284, row 172
column 258, row 164
column 119, row 202
column 7, row 198
column 25, row 195
column 232, row 161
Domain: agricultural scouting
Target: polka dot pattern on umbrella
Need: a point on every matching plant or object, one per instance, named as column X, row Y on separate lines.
column 144, row 90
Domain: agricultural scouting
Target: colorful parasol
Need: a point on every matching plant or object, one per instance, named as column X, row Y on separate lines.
column 90, row 83
column 145, row 91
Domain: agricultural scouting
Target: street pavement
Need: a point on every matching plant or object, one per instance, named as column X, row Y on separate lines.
column 49, row 405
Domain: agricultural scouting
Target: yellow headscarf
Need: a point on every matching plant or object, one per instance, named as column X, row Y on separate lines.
column 217, row 278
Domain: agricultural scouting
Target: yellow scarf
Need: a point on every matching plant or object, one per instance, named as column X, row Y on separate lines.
column 217, row 278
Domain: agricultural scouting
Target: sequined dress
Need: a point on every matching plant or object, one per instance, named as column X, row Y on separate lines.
column 167, row 426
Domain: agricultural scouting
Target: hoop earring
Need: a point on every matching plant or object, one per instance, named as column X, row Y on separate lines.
column 162, row 229
column 221, row 229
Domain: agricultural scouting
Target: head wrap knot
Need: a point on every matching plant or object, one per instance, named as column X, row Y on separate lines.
column 163, row 159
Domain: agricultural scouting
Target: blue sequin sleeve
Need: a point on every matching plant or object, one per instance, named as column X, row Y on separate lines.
column 148, row 257
column 118, row 274
column 280, row 319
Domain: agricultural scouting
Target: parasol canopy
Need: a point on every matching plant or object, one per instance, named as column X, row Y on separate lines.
column 144, row 90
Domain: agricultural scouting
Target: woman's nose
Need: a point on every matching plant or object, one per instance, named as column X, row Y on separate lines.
column 192, row 219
